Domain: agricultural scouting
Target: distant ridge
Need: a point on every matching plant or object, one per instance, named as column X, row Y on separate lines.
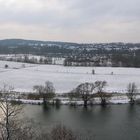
column 18, row 41
column 6, row 42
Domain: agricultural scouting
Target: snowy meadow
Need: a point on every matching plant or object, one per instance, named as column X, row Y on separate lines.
column 24, row 76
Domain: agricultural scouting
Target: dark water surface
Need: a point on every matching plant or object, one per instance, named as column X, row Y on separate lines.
column 114, row 122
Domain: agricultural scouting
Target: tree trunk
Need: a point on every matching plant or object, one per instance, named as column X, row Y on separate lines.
column 85, row 103
column 132, row 101
column 103, row 102
column 7, row 128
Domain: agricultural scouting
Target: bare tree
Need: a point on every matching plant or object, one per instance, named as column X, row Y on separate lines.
column 62, row 133
column 47, row 91
column 131, row 92
column 11, row 126
column 73, row 96
column 9, row 112
column 100, row 85
column 85, row 91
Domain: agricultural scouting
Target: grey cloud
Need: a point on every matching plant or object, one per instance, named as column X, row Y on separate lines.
column 78, row 17
column 76, row 11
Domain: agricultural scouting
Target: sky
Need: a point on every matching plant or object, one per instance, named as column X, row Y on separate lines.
column 83, row 21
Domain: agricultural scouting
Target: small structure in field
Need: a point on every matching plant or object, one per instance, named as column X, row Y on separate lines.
column 93, row 71
column 23, row 65
column 6, row 66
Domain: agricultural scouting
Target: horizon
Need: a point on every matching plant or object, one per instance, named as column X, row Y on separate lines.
column 25, row 39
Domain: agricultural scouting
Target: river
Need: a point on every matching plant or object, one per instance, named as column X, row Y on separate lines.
column 114, row 122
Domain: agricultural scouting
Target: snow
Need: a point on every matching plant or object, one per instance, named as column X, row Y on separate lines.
column 30, row 101
column 65, row 78
column 65, row 101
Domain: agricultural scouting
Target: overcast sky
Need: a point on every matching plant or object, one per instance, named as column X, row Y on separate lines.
column 71, row 20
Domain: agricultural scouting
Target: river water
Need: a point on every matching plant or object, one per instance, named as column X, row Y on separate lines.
column 114, row 122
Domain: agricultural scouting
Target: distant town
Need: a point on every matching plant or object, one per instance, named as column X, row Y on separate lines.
column 71, row 54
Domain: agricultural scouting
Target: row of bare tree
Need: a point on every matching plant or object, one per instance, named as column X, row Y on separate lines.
column 88, row 91
column 85, row 91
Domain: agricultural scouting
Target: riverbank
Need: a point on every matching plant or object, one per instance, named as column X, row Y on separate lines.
column 121, row 99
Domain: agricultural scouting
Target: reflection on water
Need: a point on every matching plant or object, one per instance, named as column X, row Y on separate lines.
column 114, row 122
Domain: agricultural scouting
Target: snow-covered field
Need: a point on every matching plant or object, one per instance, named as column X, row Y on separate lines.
column 24, row 77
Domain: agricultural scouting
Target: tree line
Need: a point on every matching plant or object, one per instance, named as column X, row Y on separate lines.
column 86, row 92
